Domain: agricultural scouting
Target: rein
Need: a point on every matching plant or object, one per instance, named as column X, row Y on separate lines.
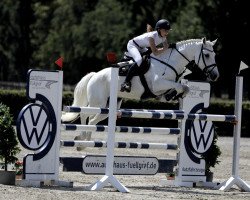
column 171, row 67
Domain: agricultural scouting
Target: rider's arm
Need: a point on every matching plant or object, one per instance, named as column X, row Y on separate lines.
column 156, row 51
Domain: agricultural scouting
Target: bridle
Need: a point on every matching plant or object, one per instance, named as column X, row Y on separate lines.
column 207, row 69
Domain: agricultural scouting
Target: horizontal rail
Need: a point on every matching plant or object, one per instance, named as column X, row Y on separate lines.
column 178, row 116
column 131, row 145
column 119, row 129
column 154, row 114
column 94, row 110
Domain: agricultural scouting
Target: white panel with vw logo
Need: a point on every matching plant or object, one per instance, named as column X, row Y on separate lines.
column 198, row 135
column 37, row 125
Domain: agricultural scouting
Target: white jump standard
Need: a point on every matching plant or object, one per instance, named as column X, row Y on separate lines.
column 235, row 179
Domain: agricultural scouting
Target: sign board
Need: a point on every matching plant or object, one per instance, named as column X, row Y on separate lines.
column 196, row 135
column 37, row 124
column 129, row 165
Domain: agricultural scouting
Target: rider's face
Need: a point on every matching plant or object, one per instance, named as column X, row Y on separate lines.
column 164, row 32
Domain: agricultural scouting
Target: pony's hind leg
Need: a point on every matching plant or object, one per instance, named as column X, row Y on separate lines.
column 83, row 134
column 86, row 135
column 93, row 120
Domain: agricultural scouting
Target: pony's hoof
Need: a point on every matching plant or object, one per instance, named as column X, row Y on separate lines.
column 182, row 94
column 178, row 96
column 186, row 90
column 170, row 95
column 80, row 137
column 80, row 148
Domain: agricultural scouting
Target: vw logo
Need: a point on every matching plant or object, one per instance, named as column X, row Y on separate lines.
column 34, row 125
column 199, row 136
column 37, row 126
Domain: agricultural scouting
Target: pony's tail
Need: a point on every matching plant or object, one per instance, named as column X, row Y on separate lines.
column 80, row 98
column 149, row 28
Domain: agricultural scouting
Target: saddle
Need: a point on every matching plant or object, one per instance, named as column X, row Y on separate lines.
column 128, row 61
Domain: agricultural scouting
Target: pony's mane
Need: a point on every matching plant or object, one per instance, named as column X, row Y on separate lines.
column 189, row 41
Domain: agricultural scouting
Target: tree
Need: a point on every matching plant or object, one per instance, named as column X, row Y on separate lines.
column 81, row 36
column 34, row 34
column 14, row 36
column 228, row 21
column 9, row 34
column 188, row 24
column 8, row 139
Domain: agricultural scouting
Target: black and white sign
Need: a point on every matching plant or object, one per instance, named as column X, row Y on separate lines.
column 132, row 165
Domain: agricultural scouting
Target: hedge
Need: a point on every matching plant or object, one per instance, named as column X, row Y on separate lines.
column 16, row 100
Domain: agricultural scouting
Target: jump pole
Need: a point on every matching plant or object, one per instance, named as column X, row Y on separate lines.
column 109, row 176
column 235, row 179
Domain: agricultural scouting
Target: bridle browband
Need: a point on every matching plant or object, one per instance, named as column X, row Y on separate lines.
column 205, row 70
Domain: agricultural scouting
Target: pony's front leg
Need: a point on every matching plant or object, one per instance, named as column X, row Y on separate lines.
column 172, row 88
column 160, row 86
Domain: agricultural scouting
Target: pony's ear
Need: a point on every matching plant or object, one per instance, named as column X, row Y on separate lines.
column 204, row 40
column 214, row 41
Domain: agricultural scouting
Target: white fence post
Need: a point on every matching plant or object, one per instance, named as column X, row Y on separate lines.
column 109, row 177
column 235, row 179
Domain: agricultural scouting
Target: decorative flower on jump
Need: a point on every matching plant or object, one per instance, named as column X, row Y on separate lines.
column 19, row 167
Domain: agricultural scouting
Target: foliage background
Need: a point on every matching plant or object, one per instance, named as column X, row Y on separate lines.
column 8, row 139
column 33, row 34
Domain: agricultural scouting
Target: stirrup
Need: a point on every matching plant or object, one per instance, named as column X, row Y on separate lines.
column 126, row 86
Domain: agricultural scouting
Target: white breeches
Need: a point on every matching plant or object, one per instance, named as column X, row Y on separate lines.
column 134, row 52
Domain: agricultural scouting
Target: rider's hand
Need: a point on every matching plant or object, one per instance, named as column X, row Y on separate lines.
column 172, row 45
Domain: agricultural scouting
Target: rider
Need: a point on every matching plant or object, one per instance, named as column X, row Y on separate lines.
column 141, row 43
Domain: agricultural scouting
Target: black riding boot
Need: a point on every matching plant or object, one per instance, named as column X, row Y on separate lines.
column 126, row 86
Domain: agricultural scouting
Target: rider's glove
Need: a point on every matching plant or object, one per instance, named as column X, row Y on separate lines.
column 172, row 45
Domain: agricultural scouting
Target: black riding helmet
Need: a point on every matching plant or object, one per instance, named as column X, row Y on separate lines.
column 162, row 24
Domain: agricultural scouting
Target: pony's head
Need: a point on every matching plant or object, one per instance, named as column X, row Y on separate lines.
column 205, row 59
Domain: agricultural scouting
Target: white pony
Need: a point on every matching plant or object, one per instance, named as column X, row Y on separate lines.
column 163, row 76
